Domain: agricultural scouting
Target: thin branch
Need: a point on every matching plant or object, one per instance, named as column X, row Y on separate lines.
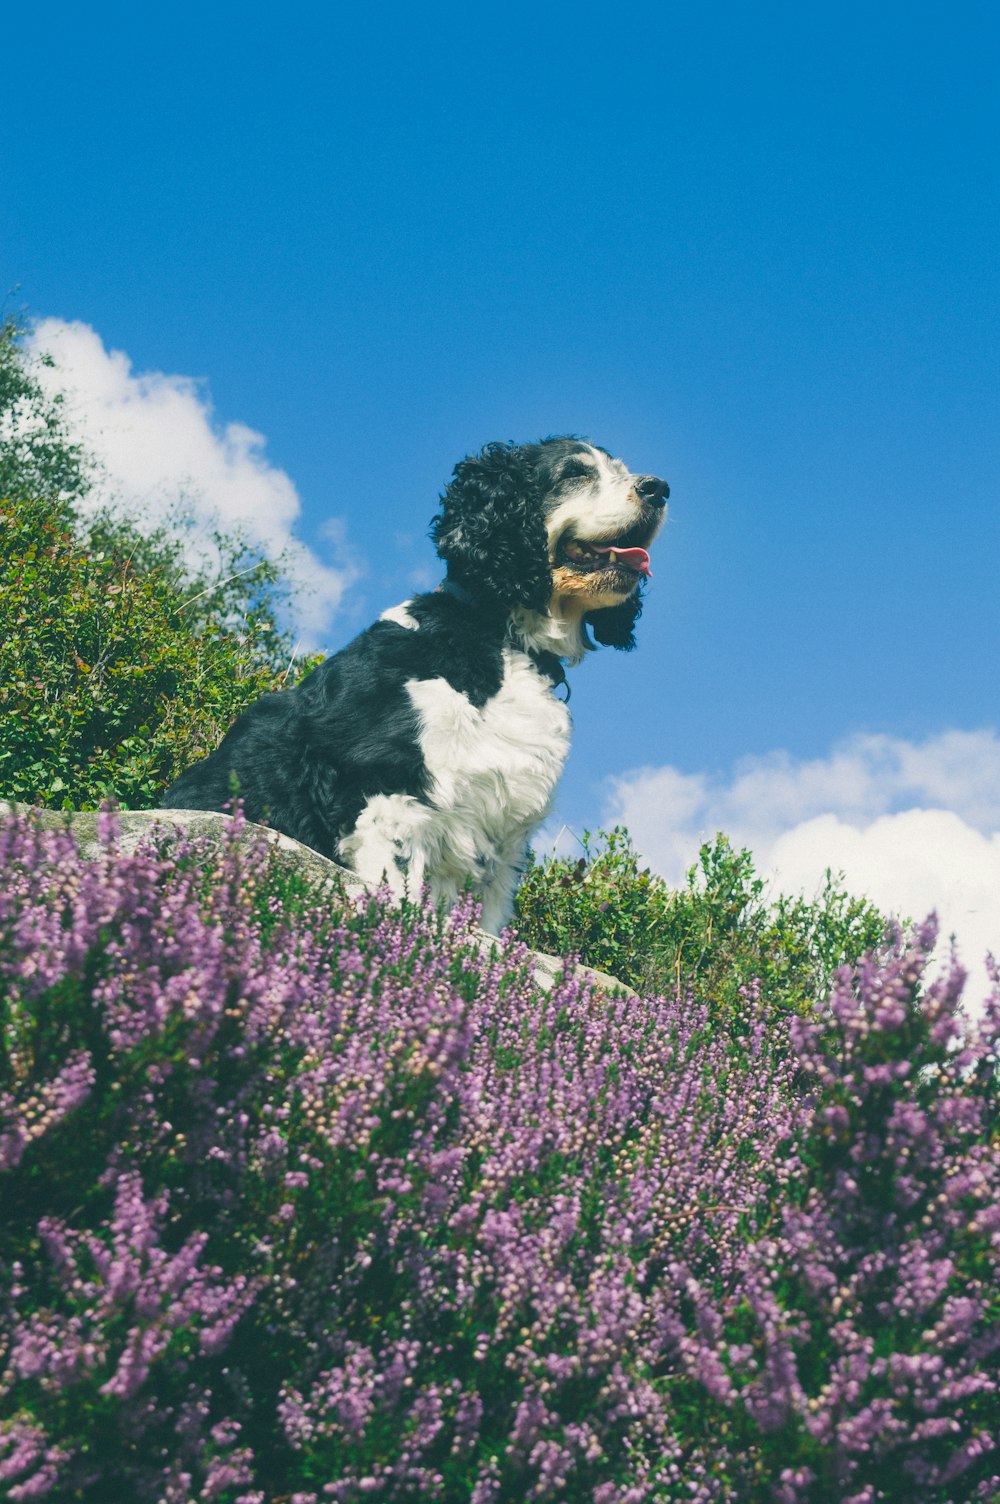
column 219, row 585
column 291, row 660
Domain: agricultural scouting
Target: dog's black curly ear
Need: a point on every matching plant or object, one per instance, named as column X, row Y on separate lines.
column 491, row 529
column 615, row 625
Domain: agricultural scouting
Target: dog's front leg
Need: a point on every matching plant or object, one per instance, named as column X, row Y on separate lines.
column 497, row 888
column 392, row 842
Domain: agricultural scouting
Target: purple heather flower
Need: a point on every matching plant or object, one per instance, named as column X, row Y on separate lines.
column 321, row 1202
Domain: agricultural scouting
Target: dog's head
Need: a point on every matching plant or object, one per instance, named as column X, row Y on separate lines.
column 559, row 528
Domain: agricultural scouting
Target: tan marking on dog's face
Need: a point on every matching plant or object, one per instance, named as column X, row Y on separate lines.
column 588, row 592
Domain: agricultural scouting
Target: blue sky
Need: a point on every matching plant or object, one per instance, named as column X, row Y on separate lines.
column 752, row 249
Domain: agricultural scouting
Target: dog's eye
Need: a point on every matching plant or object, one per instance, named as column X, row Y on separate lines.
column 577, row 472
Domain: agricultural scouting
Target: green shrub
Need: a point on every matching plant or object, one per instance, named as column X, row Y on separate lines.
column 120, row 661
column 106, row 690
column 37, row 455
column 220, row 582
column 718, row 932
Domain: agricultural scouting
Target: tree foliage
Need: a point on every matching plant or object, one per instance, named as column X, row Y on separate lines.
column 38, row 457
column 121, row 661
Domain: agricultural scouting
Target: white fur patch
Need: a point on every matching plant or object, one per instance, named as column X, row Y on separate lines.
column 550, row 631
column 493, row 773
column 392, row 840
column 401, row 617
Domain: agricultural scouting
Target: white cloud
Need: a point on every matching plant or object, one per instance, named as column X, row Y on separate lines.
column 157, row 438
column 914, row 826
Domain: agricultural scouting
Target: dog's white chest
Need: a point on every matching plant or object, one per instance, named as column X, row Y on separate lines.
column 494, row 767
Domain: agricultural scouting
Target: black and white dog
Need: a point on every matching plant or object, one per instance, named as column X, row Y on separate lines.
column 429, row 748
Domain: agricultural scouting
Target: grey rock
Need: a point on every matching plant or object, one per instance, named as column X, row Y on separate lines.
column 137, row 824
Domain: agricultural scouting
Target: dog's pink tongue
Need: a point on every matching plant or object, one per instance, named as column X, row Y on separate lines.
column 632, row 558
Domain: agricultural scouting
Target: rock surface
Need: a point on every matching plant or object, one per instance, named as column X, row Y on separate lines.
column 136, row 825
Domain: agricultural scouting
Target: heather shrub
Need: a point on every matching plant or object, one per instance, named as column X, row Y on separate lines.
column 305, row 1198
column 324, row 1203
column 717, row 934
column 859, row 1356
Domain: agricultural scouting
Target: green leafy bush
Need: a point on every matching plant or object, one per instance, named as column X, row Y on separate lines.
column 220, row 581
column 120, row 662
column 106, row 691
column 718, row 932
column 37, row 455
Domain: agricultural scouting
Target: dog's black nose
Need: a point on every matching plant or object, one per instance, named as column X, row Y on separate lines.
column 652, row 488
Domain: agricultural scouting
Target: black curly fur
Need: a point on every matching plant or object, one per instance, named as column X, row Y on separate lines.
column 614, row 626
column 491, row 529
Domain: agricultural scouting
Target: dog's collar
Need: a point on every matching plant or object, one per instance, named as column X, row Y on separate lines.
column 546, row 663
column 448, row 586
